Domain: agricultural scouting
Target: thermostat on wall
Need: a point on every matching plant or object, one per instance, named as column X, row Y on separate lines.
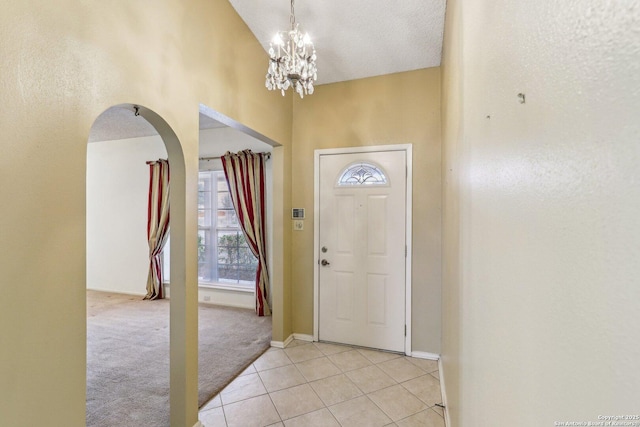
column 297, row 213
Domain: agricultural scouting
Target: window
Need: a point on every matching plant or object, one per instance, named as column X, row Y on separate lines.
column 223, row 254
column 361, row 173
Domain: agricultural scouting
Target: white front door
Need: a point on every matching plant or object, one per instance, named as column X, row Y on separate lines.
column 362, row 249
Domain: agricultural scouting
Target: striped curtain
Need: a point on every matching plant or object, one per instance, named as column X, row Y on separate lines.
column 157, row 225
column 246, row 179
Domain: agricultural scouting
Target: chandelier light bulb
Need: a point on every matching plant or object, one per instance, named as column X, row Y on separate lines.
column 277, row 40
column 292, row 61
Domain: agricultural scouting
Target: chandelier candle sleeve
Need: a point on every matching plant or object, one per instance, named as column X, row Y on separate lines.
column 292, row 61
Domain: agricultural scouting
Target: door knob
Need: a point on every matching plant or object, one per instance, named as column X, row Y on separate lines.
column 324, row 262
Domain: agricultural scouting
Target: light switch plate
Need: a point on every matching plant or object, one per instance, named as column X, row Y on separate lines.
column 298, row 225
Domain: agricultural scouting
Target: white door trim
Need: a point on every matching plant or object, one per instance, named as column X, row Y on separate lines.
column 408, row 148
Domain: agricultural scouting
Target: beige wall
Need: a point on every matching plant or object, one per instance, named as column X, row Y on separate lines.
column 541, row 203
column 64, row 63
column 394, row 109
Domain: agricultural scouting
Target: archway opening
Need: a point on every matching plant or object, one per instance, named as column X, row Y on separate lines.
column 120, row 375
column 122, row 140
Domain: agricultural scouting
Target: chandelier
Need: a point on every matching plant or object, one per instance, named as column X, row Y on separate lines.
column 292, row 61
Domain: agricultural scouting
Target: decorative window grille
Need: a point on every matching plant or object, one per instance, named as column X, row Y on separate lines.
column 362, row 173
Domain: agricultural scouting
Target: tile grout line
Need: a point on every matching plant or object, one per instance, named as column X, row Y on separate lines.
column 270, row 399
column 344, row 374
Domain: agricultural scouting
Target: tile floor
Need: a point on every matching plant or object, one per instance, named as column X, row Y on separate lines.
column 318, row 384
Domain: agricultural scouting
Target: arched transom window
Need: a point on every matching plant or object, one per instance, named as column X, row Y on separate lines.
column 362, row 173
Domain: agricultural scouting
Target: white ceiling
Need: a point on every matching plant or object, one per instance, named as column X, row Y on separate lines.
column 353, row 40
column 356, row 39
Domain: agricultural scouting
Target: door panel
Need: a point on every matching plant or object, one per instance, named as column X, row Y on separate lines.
column 362, row 226
column 376, row 298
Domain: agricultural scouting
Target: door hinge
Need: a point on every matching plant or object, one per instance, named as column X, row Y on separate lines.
column 405, row 330
column 406, row 251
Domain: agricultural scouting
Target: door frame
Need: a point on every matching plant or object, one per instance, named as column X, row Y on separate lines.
column 408, row 149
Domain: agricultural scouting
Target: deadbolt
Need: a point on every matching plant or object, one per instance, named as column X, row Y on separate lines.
column 324, row 262
column 324, row 249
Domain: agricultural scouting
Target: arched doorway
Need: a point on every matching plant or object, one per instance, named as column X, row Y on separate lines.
column 134, row 121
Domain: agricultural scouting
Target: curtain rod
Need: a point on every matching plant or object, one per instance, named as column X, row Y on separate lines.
column 267, row 155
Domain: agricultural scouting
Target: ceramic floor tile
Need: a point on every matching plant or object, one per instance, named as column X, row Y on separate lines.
column 378, row 356
column 359, row 412
column 328, row 349
column 296, row 401
column 424, row 364
column 213, row 418
column 319, row 368
column 213, row 403
column 397, row 402
column 303, row 352
column 401, row 369
column 425, row 388
column 349, row 360
column 426, row 418
column 250, row 370
column 274, row 358
column 281, row 378
column 320, row 418
column 255, row 412
column 335, row 389
column 370, row 379
column 337, row 377
column 296, row 343
column 242, row 388
column 438, row 410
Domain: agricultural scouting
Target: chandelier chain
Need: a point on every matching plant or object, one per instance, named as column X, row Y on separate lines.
column 292, row 18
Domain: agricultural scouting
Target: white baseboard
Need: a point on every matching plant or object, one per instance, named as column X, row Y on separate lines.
column 282, row 344
column 198, row 424
column 425, row 355
column 112, row 291
column 303, row 337
column 285, row 343
column 443, row 390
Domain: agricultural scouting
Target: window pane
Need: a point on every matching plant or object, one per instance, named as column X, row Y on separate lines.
column 204, row 218
column 206, row 269
column 204, row 181
column 228, row 245
column 227, row 218
column 247, row 274
column 247, row 258
column 361, row 173
column 221, row 182
column 204, row 200
column 224, row 200
column 227, row 273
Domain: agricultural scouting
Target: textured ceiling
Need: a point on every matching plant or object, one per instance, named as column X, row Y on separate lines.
column 353, row 40
column 356, row 39
column 121, row 123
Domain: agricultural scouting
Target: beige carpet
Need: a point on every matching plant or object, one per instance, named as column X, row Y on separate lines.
column 128, row 356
